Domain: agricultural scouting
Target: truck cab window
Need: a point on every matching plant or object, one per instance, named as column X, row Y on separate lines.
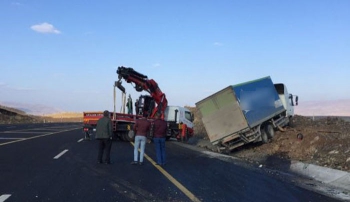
column 188, row 116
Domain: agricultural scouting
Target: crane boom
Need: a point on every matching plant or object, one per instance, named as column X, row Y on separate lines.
column 142, row 83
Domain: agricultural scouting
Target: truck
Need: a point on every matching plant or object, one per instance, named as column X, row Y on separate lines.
column 147, row 106
column 123, row 123
column 247, row 112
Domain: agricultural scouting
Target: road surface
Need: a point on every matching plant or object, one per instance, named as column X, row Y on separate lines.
column 52, row 162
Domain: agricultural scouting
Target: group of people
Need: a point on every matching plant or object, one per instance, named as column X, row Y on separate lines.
column 142, row 128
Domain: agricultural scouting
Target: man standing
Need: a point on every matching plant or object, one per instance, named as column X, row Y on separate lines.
column 129, row 105
column 104, row 135
column 141, row 128
column 137, row 106
column 160, row 130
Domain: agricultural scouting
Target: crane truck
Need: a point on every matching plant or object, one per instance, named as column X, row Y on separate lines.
column 148, row 106
column 246, row 112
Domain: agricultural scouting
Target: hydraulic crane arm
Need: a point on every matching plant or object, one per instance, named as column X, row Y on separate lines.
column 143, row 83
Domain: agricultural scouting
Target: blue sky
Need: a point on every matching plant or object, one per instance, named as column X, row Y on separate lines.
column 65, row 54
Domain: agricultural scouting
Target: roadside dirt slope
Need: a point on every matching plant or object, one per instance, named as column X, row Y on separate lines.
column 325, row 142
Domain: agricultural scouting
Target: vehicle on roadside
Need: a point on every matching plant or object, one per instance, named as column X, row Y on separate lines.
column 246, row 112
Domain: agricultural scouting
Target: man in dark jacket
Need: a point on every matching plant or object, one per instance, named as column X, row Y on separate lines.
column 160, row 130
column 104, row 135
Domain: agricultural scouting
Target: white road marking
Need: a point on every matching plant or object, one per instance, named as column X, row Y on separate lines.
column 38, row 136
column 4, row 197
column 10, row 138
column 80, row 140
column 24, row 132
column 60, row 154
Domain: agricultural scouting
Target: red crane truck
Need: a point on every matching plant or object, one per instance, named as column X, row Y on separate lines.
column 148, row 106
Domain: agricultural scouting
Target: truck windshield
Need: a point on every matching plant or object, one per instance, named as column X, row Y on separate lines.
column 188, row 116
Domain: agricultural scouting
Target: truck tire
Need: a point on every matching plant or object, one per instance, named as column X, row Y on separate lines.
column 291, row 122
column 264, row 138
column 122, row 136
column 131, row 135
column 126, row 137
column 269, row 131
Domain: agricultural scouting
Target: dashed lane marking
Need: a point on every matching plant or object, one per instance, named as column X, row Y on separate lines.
column 4, row 197
column 22, row 132
column 60, row 154
column 11, row 138
column 184, row 190
column 80, row 140
column 29, row 138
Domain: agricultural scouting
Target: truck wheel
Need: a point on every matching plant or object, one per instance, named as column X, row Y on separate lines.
column 126, row 137
column 269, row 131
column 131, row 135
column 291, row 122
column 264, row 138
column 122, row 136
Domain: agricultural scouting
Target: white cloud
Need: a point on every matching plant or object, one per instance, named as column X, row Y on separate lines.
column 217, row 44
column 45, row 28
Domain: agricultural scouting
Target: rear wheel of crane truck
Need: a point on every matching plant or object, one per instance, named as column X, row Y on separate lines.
column 125, row 136
column 269, row 131
column 130, row 136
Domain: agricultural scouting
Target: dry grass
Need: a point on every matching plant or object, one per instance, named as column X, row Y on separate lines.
column 66, row 115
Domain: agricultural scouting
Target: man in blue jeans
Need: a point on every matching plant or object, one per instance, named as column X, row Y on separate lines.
column 141, row 128
column 160, row 129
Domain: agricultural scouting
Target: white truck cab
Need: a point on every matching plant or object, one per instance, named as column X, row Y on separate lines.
column 179, row 114
column 175, row 116
column 287, row 99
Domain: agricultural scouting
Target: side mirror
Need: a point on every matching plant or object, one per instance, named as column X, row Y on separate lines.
column 296, row 100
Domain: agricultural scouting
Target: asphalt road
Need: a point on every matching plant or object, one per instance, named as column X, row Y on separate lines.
column 51, row 162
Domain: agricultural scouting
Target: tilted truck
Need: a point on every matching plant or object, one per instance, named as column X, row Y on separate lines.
column 246, row 112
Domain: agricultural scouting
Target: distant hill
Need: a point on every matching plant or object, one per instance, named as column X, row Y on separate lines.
column 32, row 109
column 323, row 108
column 9, row 115
column 14, row 110
column 305, row 108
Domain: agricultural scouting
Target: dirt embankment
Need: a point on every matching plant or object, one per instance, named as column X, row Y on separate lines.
column 325, row 142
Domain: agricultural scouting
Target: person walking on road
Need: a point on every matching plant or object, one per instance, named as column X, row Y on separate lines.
column 141, row 128
column 104, row 135
column 160, row 130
